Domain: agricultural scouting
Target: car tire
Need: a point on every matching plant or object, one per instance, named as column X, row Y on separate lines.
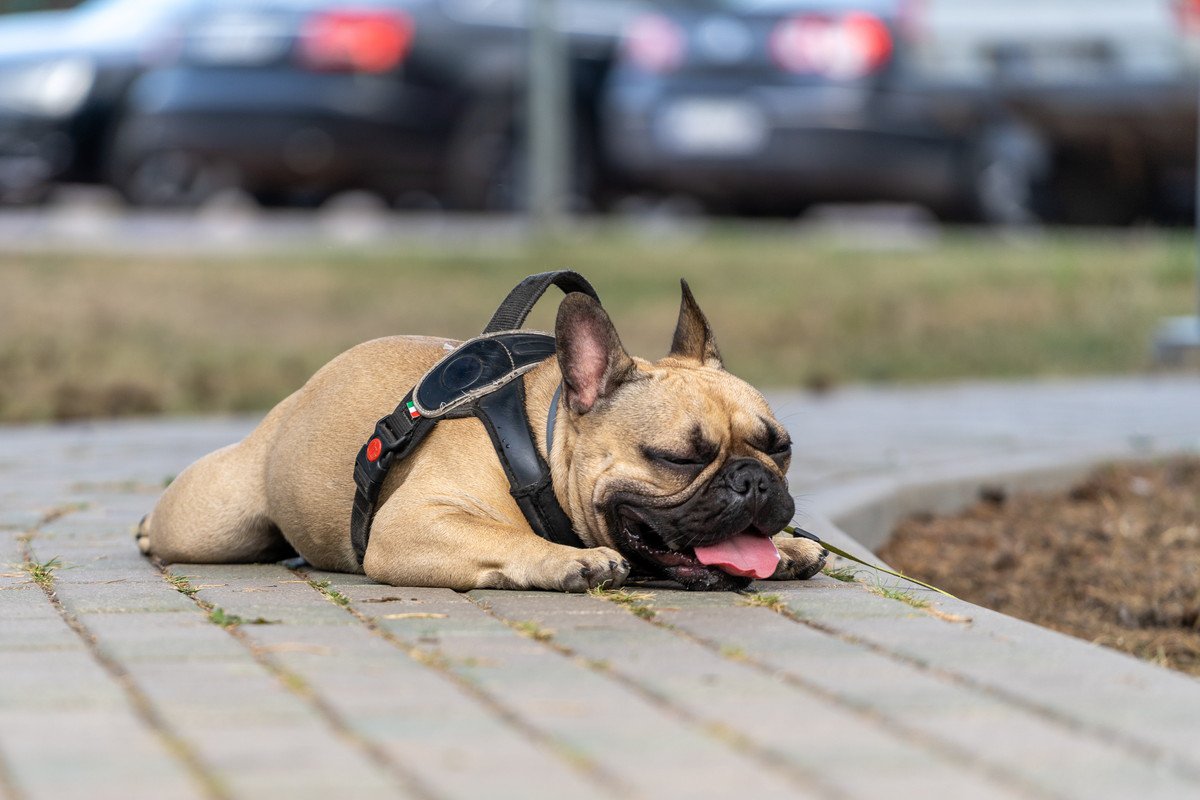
column 488, row 167
column 1004, row 173
column 172, row 178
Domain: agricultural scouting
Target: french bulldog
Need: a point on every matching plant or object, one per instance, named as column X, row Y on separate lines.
column 672, row 469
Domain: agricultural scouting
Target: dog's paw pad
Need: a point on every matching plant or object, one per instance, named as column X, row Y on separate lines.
column 800, row 559
column 598, row 567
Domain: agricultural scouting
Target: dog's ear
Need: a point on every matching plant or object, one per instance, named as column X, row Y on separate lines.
column 693, row 336
column 590, row 354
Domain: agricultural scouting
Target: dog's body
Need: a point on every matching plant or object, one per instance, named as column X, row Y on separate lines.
column 648, row 460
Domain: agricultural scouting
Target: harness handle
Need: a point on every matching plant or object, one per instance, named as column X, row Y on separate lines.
column 520, row 301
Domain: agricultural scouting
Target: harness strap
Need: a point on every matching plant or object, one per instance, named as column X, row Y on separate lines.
column 503, row 415
column 395, row 436
column 470, row 389
column 520, row 301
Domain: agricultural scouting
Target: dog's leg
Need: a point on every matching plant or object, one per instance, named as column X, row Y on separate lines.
column 464, row 552
column 215, row 512
column 800, row 558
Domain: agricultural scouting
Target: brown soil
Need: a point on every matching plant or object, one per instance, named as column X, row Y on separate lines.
column 1115, row 560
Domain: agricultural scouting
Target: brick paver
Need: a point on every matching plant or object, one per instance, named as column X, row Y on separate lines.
column 115, row 680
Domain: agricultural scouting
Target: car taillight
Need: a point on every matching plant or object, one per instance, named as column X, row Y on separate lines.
column 844, row 47
column 356, row 41
column 655, row 43
column 1188, row 14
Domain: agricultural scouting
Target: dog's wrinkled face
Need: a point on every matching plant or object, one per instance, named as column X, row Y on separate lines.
column 677, row 464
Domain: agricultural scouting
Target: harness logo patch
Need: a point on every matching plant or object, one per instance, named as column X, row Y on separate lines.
column 374, row 448
column 412, row 410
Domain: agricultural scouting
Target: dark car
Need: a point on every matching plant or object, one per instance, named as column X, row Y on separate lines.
column 765, row 106
column 418, row 100
column 1110, row 84
column 63, row 79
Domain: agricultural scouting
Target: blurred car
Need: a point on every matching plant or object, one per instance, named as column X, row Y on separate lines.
column 1110, row 84
column 63, row 79
column 294, row 100
column 765, row 106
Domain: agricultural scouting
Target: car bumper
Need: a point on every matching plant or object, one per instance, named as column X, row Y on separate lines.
column 822, row 144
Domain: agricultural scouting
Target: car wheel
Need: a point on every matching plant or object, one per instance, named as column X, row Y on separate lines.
column 174, row 179
column 1005, row 171
column 489, row 167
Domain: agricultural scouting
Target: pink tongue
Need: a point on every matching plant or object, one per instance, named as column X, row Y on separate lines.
column 748, row 555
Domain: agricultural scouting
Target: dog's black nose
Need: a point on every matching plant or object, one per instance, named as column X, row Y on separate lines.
column 763, row 494
column 750, row 479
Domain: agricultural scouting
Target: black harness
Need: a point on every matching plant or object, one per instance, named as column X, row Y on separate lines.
column 480, row 378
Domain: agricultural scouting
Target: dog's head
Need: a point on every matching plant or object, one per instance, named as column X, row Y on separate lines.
column 677, row 464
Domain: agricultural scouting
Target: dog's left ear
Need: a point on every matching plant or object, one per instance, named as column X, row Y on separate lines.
column 693, row 336
column 590, row 354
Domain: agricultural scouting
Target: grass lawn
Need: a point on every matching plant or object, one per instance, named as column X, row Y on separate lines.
column 87, row 335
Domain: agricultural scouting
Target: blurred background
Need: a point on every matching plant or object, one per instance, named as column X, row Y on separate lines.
column 1075, row 111
column 203, row 200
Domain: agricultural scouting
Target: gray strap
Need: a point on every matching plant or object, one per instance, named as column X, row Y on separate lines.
column 551, row 418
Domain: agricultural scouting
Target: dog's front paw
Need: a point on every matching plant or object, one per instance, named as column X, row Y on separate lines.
column 599, row 566
column 799, row 558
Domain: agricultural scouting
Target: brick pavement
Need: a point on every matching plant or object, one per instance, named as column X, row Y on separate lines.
column 120, row 680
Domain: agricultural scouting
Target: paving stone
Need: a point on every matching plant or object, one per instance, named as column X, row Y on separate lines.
column 254, row 735
column 1051, row 671
column 1040, row 752
column 421, row 718
column 122, row 597
column 721, row 692
column 879, row 691
column 66, row 728
column 586, row 711
column 66, row 754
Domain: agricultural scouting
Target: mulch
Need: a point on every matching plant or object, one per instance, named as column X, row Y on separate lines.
column 1114, row 560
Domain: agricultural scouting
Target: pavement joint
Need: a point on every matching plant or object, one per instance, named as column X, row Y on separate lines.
column 887, row 722
column 1133, row 745
column 826, row 691
column 434, row 660
column 296, row 685
column 142, row 708
column 716, row 729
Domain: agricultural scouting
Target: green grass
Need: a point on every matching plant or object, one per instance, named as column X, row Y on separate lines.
column 182, row 585
column 533, row 630
column 333, row 594
column 772, row 601
column 95, row 335
column 638, row 603
column 42, row 572
column 843, row 574
column 902, row 596
column 219, row 616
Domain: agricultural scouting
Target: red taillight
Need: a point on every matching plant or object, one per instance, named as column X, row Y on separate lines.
column 845, row 47
column 655, row 43
column 356, row 41
column 1188, row 14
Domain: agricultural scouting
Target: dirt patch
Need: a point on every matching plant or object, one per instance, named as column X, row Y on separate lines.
column 1115, row 560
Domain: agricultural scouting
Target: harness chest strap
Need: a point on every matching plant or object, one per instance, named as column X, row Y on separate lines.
column 481, row 378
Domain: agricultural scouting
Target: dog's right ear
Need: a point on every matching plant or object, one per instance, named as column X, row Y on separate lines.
column 590, row 354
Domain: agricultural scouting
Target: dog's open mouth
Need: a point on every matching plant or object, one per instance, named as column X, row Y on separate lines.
column 729, row 564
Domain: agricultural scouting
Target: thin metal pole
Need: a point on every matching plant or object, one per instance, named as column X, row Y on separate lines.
column 1196, row 232
column 549, row 117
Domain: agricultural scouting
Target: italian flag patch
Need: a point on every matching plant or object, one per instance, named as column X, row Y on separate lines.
column 412, row 410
